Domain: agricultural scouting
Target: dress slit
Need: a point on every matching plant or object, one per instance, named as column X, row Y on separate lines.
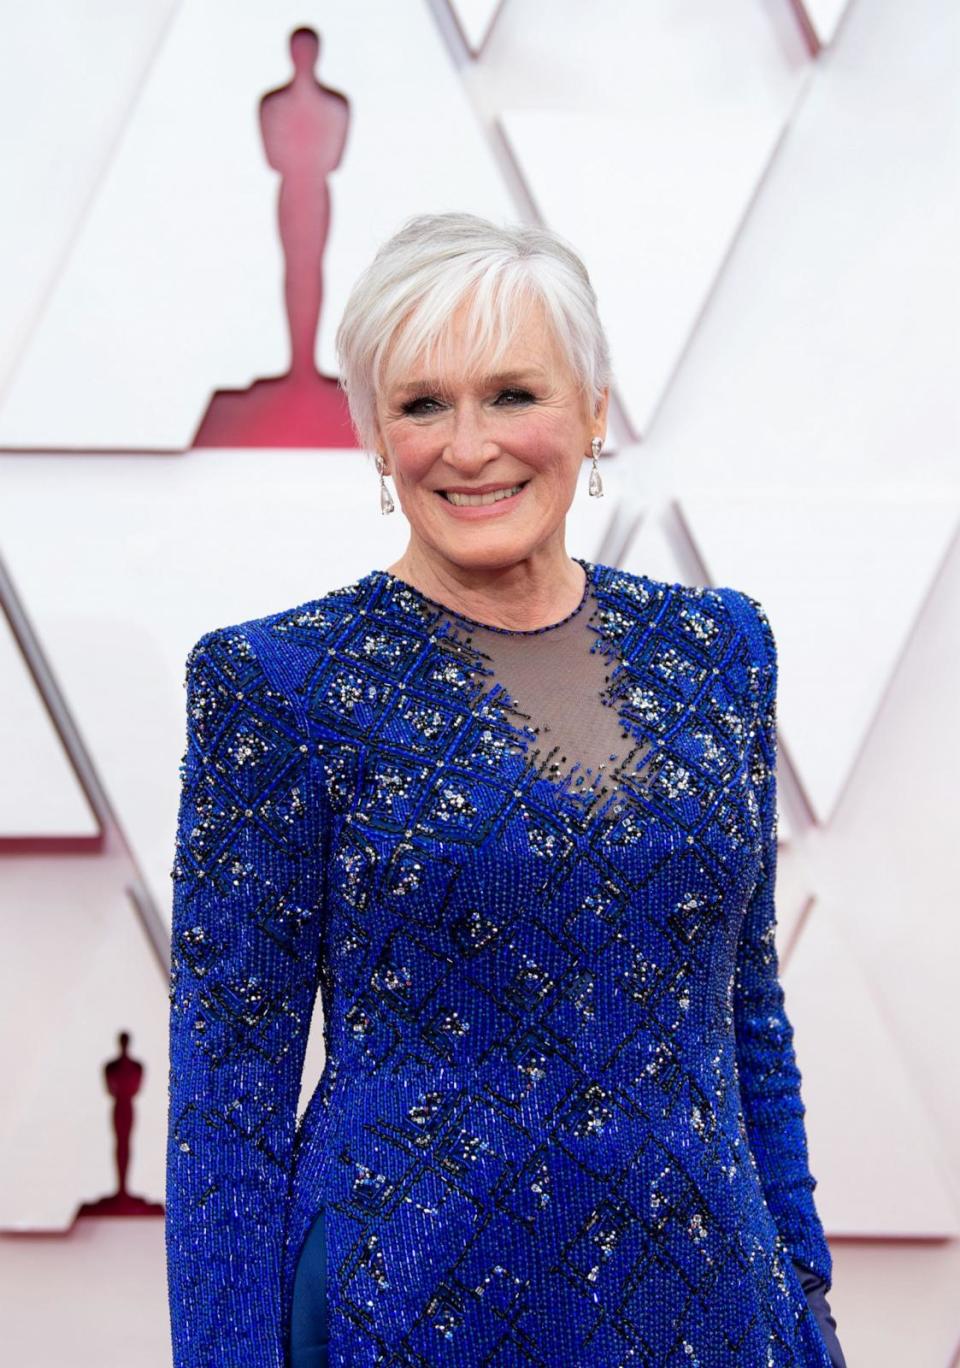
column 309, row 1329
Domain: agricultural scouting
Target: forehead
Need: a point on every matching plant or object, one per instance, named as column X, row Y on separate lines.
column 528, row 351
column 519, row 375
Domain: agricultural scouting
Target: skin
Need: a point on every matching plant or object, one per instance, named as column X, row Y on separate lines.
column 512, row 570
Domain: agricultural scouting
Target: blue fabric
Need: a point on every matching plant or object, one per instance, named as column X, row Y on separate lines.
column 309, row 1330
column 815, row 1290
column 560, row 1121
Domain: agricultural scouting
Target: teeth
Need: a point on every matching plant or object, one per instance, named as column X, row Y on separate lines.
column 469, row 500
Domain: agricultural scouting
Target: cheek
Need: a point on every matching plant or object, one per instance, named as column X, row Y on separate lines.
column 542, row 440
column 413, row 454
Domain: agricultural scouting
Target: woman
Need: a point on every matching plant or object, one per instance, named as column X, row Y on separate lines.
column 513, row 814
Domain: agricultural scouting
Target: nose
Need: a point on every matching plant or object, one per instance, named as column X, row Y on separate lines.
column 470, row 443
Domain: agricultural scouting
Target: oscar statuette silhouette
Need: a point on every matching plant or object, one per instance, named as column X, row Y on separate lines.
column 304, row 129
column 123, row 1077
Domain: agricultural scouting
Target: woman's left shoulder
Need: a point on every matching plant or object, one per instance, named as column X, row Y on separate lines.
column 705, row 614
column 750, row 616
column 646, row 591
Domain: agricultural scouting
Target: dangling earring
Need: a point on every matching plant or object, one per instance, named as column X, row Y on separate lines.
column 595, row 487
column 386, row 503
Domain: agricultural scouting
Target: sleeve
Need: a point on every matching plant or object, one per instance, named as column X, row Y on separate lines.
column 770, row 1079
column 243, row 981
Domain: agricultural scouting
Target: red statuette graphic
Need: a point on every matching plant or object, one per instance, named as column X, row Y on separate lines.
column 123, row 1077
column 304, row 129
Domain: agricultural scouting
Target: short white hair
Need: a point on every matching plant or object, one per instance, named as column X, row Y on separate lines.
column 422, row 274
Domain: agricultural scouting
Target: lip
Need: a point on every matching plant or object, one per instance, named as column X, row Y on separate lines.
column 474, row 512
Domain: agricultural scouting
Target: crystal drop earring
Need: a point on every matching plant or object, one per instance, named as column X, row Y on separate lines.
column 595, row 487
column 386, row 503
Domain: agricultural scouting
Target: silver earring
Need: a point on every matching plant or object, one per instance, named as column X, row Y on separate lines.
column 386, row 503
column 595, row 487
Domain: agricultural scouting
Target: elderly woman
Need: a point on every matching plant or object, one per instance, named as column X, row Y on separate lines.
column 513, row 814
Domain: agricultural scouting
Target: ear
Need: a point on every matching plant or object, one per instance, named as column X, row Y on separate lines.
column 600, row 411
column 379, row 445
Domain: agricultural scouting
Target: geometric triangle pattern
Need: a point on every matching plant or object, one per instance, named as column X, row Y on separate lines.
column 43, row 804
column 673, row 216
column 854, row 1073
column 183, row 230
column 138, row 164
column 823, row 17
column 475, row 19
column 90, row 63
column 844, row 621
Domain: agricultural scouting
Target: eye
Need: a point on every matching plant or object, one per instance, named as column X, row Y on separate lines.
column 420, row 405
column 414, row 406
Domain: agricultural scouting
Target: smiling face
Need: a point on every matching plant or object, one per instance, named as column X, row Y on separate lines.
column 530, row 425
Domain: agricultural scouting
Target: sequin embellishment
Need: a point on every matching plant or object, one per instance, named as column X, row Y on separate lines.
column 560, row 1119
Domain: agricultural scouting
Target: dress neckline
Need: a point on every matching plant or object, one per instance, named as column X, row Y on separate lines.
column 489, row 626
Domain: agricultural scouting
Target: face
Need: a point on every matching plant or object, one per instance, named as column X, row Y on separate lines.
column 529, row 425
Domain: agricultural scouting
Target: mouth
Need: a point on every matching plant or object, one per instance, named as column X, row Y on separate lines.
column 481, row 500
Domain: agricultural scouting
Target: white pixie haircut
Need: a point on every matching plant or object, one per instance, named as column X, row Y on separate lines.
column 402, row 305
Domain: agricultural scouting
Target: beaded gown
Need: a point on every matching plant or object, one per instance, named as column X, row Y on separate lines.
column 559, row 1121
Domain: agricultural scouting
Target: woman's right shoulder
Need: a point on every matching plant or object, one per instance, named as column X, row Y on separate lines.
column 268, row 664
column 302, row 627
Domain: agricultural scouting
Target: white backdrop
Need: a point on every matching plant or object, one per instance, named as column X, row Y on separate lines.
column 766, row 194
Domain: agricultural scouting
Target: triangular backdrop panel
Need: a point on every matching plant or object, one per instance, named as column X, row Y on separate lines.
column 41, row 795
column 71, row 73
column 475, row 19
column 97, row 977
column 823, row 16
column 647, row 548
column 867, row 1126
column 199, row 551
column 174, row 285
column 843, row 577
column 658, row 206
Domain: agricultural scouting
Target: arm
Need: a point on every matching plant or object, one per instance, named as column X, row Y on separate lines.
column 244, row 966
column 769, row 1077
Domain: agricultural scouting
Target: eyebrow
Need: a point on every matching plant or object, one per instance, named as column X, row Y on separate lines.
column 501, row 378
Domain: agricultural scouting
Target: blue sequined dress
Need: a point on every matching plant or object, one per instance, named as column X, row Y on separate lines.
column 559, row 1123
